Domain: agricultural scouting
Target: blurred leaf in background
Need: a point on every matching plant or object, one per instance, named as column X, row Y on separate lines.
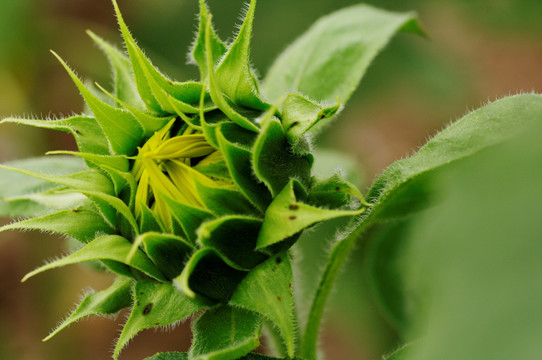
column 472, row 266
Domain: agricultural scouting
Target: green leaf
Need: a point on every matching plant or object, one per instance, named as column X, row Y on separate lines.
column 286, row 216
column 120, row 163
column 385, row 255
column 267, row 290
column 168, row 252
column 81, row 224
column 16, row 184
column 111, row 206
column 155, row 304
column 106, row 302
column 53, row 199
column 472, row 269
column 216, row 92
column 169, row 356
column 79, row 181
column 209, row 274
column 274, row 161
column 405, row 186
column 121, row 129
column 234, row 237
column 109, row 248
column 330, row 59
column 225, row 333
column 217, row 46
column 300, row 114
column 402, row 353
column 159, row 93
column 190, row 218
column 334, row 192
column 125, row 88
column 223, row 201
column 88, row 134
column 234, row 76
column 238, row 159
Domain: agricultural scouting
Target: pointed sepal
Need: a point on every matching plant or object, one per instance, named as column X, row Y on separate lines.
column 225, row 333
column 106, row 302
column 267, row 290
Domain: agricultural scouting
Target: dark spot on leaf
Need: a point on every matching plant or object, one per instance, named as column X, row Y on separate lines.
column 290, row 285
column 322, row 116
column 75, row 210
column 147, row 309
column 294, row 207
column 278, row 260
column 338, row 188
column 138, row 303
column 295, row 123
column 292, row 217
column 278, row 298
column 77, row 131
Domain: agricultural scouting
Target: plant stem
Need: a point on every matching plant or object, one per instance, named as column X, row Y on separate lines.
column 337, row 256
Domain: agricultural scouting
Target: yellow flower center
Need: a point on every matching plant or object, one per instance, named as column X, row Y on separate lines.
column 164, row 168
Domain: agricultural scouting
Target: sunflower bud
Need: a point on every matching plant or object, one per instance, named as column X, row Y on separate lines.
column 192, row 192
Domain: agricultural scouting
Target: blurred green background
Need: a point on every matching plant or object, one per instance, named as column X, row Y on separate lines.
column 478, row 50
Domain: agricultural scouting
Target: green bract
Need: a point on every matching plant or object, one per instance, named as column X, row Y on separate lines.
column 193, row 192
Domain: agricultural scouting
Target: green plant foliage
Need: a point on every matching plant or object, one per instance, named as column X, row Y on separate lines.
column 482, row 278
column 329, row 60
column 405, row 187
column 225, row 333
column 193, row 192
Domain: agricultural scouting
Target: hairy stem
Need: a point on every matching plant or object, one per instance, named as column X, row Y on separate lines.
column 337, row 257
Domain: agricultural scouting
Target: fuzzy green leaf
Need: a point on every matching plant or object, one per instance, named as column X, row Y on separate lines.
column 190, row 218
column 109, row 248
column 286, row 216
column 217, row 46
column 121, row 129
column 471, row 270
column 225, row 333
column 159, row 93
column 53, row 199
column 235, row 238
column 300, row 114
column 168, row 252
column 110, row 207
column 117, row 162
column 333, row 192
column 274, row 161
column 80, row 181
column 330, row 59
column 16, row 184
column 267, row 290
column 81, row 224
column 169, row 356
column 217, row 96
column 234, row 75
column 184, row 356
column 88, row 134
column 106, row 302
column 239, row 161
column 125, row 88
column 209, row 274
column 402, row 353
column 404, row 186
column 222, row 201
column 155, row 304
